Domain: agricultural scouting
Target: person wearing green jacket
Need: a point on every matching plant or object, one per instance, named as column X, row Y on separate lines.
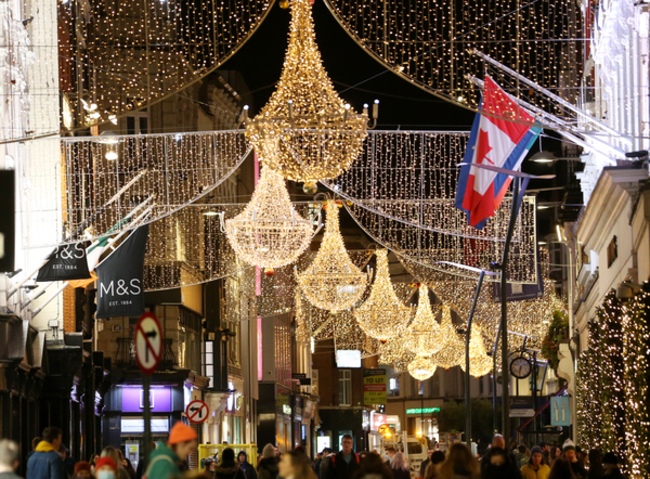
column 164, row 461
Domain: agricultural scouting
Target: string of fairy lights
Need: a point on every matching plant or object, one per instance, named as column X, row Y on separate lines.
column 431, row 43
column 612, row 382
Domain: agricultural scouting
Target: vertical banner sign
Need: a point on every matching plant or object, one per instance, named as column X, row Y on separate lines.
column 65, row 263
column 560, row 411
column 374, row 386
column 120, row 290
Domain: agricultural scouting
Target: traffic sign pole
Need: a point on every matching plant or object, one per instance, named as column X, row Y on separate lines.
column 148, row 351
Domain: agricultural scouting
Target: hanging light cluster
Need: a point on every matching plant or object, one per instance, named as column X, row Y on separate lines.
column 383, row 315
column 269, row 233
column 422, row 368
column 319, row 134
column 453, row 349
column 332, row 281
column 479, row 362
column 424, row 335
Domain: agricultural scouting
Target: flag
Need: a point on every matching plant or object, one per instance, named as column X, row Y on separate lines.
column 65, row 263
column 502, row 134
column 120, row 289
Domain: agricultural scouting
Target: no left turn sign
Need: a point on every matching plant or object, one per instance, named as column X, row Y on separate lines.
column 148, row 343
column 197, row 411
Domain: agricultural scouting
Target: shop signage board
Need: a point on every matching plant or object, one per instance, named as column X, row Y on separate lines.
column 374, row 386
column 521, row 406
column 426, row 410
column 377, row 420
column 148, row 343
column 197, row 411
column 560, row 411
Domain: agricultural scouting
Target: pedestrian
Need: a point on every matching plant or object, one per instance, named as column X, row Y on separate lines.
column 106, row 468
column 68, row 462
column 9, row 459
column 431, row 471
column 345, row 463
column 569, row 453
column 400, row 467
column 267, row 468
column 35, row 443
column 373, row 467
column 246, row 467
column 118, row 457
column 390, row 450
column 536, row 469
column 423, row 467
column 93, row 462
column 596, row 469
column 324, row 463
column 561, row 470
column 460, row 464
column 164, row 461
column 546, row 452
column 522, row 456
column 128, row 467
column 498, row 464
column 610, row 464
column 555, row 454
column 82, row 470
column 46, row 462
column 228, row 468
column 295, row 465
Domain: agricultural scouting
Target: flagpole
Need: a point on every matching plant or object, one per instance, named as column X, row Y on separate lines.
column 468, row 405
column 505, row 393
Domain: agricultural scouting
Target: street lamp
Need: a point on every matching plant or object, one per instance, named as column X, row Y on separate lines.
column 548, row 157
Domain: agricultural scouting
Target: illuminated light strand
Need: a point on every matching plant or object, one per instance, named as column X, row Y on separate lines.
column 422, row 368
column 332, row 281
column 382, row 315
column 318, row 135
column 453, row 349
column 480, row 363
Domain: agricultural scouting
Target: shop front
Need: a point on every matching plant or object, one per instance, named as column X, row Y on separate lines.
column 275, row 415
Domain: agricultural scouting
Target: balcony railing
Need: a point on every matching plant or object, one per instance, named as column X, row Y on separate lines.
column 125, row 356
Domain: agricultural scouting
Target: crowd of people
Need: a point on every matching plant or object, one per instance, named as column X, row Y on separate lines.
column 49, row 459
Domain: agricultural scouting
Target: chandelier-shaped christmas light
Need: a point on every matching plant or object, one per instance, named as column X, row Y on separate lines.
column 423, row 336
column 269, row 233
column 479, row 362
column 319, row 134
column 394, row 352
column 453, row 349
column 332, row 281
column 422, row 368
column 383, row 315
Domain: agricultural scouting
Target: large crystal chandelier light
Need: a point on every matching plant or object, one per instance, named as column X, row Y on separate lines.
column 319, row 134
column 422, row 368
column 395, row 353
column 383, row 315
column 453, row 349
column 479, row 362
column 332, row 281
column 423, row 336
column 269, row 233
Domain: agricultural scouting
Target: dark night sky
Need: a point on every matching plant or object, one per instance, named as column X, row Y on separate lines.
column 402, row 105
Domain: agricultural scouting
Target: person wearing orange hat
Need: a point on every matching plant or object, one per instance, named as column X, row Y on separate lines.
column 105, row 468
column 164, row 461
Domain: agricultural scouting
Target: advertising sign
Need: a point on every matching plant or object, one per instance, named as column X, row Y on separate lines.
column 377, row 420
column 374, row 386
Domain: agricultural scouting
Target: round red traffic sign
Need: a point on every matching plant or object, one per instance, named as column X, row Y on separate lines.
column 148, row 343
column 197, row 411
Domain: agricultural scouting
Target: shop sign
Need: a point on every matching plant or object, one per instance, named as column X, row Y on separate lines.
column 159, row 398
column 560, row 411
column 286, row 409
column 377, row 420
column 426, row 410
column 374, row 386
column 521, row 406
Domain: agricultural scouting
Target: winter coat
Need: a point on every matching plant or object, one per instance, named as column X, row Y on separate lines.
column 248, row 470
column 268, row 468
column 229, row 471
column 401, row 473
column 527, row 472
column 508, row 470
column 45, row 463
column 163, row 464
column 339, row 469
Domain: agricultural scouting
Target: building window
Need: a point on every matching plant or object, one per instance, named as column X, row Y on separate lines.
column 208, row 362
column 394, row 386
column 345, row 387
column 612, row 252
